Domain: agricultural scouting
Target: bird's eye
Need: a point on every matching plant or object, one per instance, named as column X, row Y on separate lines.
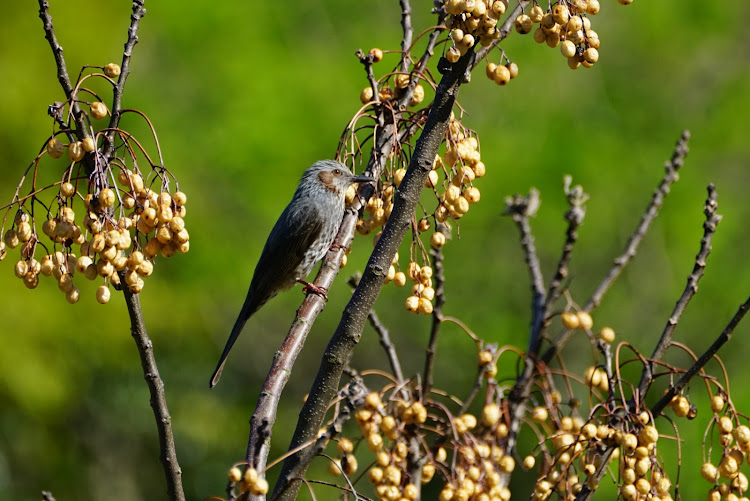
column 337, row 172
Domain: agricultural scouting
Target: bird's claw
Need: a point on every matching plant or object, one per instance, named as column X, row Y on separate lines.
column 308, row 287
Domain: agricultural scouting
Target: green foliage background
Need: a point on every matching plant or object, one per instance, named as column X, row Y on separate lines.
column 245, row 95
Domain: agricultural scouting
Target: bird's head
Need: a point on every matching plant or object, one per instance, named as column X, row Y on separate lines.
column 333, row 176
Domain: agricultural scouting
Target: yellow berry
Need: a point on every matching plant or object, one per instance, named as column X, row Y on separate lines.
column 102, row 294
column 570, row 320
column 513, row 69
column 472, row 194
column 568, row 49
column 67, row 190
column 234, row 475
column 502, row 75
column 76, row 151
column 412, row 304
column 523, row 24
column 585, row 322
column 490, row 70
column 452, row 55
column 560, row 14
column 73, row 295
column 607, row 334
column 54, row 148
column 98, row 110
column 717, row 403
column 88, row 144
column 377, row 54
column 539, row 414
column 366, row 95
column 424, row 306
column 112, row 70
column 417, row 96
column 591, row 55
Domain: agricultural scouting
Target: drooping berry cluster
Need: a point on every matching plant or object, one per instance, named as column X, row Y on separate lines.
column 107, row 219
column 451, row 182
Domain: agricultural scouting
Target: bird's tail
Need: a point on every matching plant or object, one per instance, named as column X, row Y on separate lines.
column 251, row 306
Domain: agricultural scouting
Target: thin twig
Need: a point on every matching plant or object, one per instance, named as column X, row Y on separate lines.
column 62, row 70
column 574, row 215
column 521, row 209
column 639, row 396
column 670, row 176
column 116, row 111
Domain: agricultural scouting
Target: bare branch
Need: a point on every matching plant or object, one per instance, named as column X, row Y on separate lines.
column 670, row 176
column 62, row 70
column 709, row 228
column 437, row 315
column 725, row 336
column 408, row 34
column 135, row 18
column 521, row 209
column 652, row 210
column 168, row 456
column 574, row 215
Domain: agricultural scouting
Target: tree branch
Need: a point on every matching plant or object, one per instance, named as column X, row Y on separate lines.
column 347, row 335
column 167, row 455
column 709, row 228
column 723, row 338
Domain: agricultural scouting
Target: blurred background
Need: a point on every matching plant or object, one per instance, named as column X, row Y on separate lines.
column 244, row 96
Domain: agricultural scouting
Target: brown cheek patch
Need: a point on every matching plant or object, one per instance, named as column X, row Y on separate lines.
column 326, row 179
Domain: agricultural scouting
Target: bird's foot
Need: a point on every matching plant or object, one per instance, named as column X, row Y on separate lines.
column 308, row 287
column 335, row 247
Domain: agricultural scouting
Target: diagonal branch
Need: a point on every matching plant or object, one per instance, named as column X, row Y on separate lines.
column 347, row 335
column 709, row 228
column 712, row 350
column 671, row 175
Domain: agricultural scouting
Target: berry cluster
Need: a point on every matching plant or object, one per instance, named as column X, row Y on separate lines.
column 452, row 182
column 568, row 26
column 729, row 483
column 249, row 481
column 94, row 227
column 472, row 22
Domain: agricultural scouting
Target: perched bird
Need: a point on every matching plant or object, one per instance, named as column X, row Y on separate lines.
column 298, row 240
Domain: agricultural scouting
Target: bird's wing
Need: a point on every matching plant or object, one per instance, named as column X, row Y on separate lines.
column 291, row 237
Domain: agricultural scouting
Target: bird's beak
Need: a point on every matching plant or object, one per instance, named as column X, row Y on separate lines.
column 361, row 179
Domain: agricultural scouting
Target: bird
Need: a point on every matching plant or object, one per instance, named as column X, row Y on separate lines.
column 300, row 238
